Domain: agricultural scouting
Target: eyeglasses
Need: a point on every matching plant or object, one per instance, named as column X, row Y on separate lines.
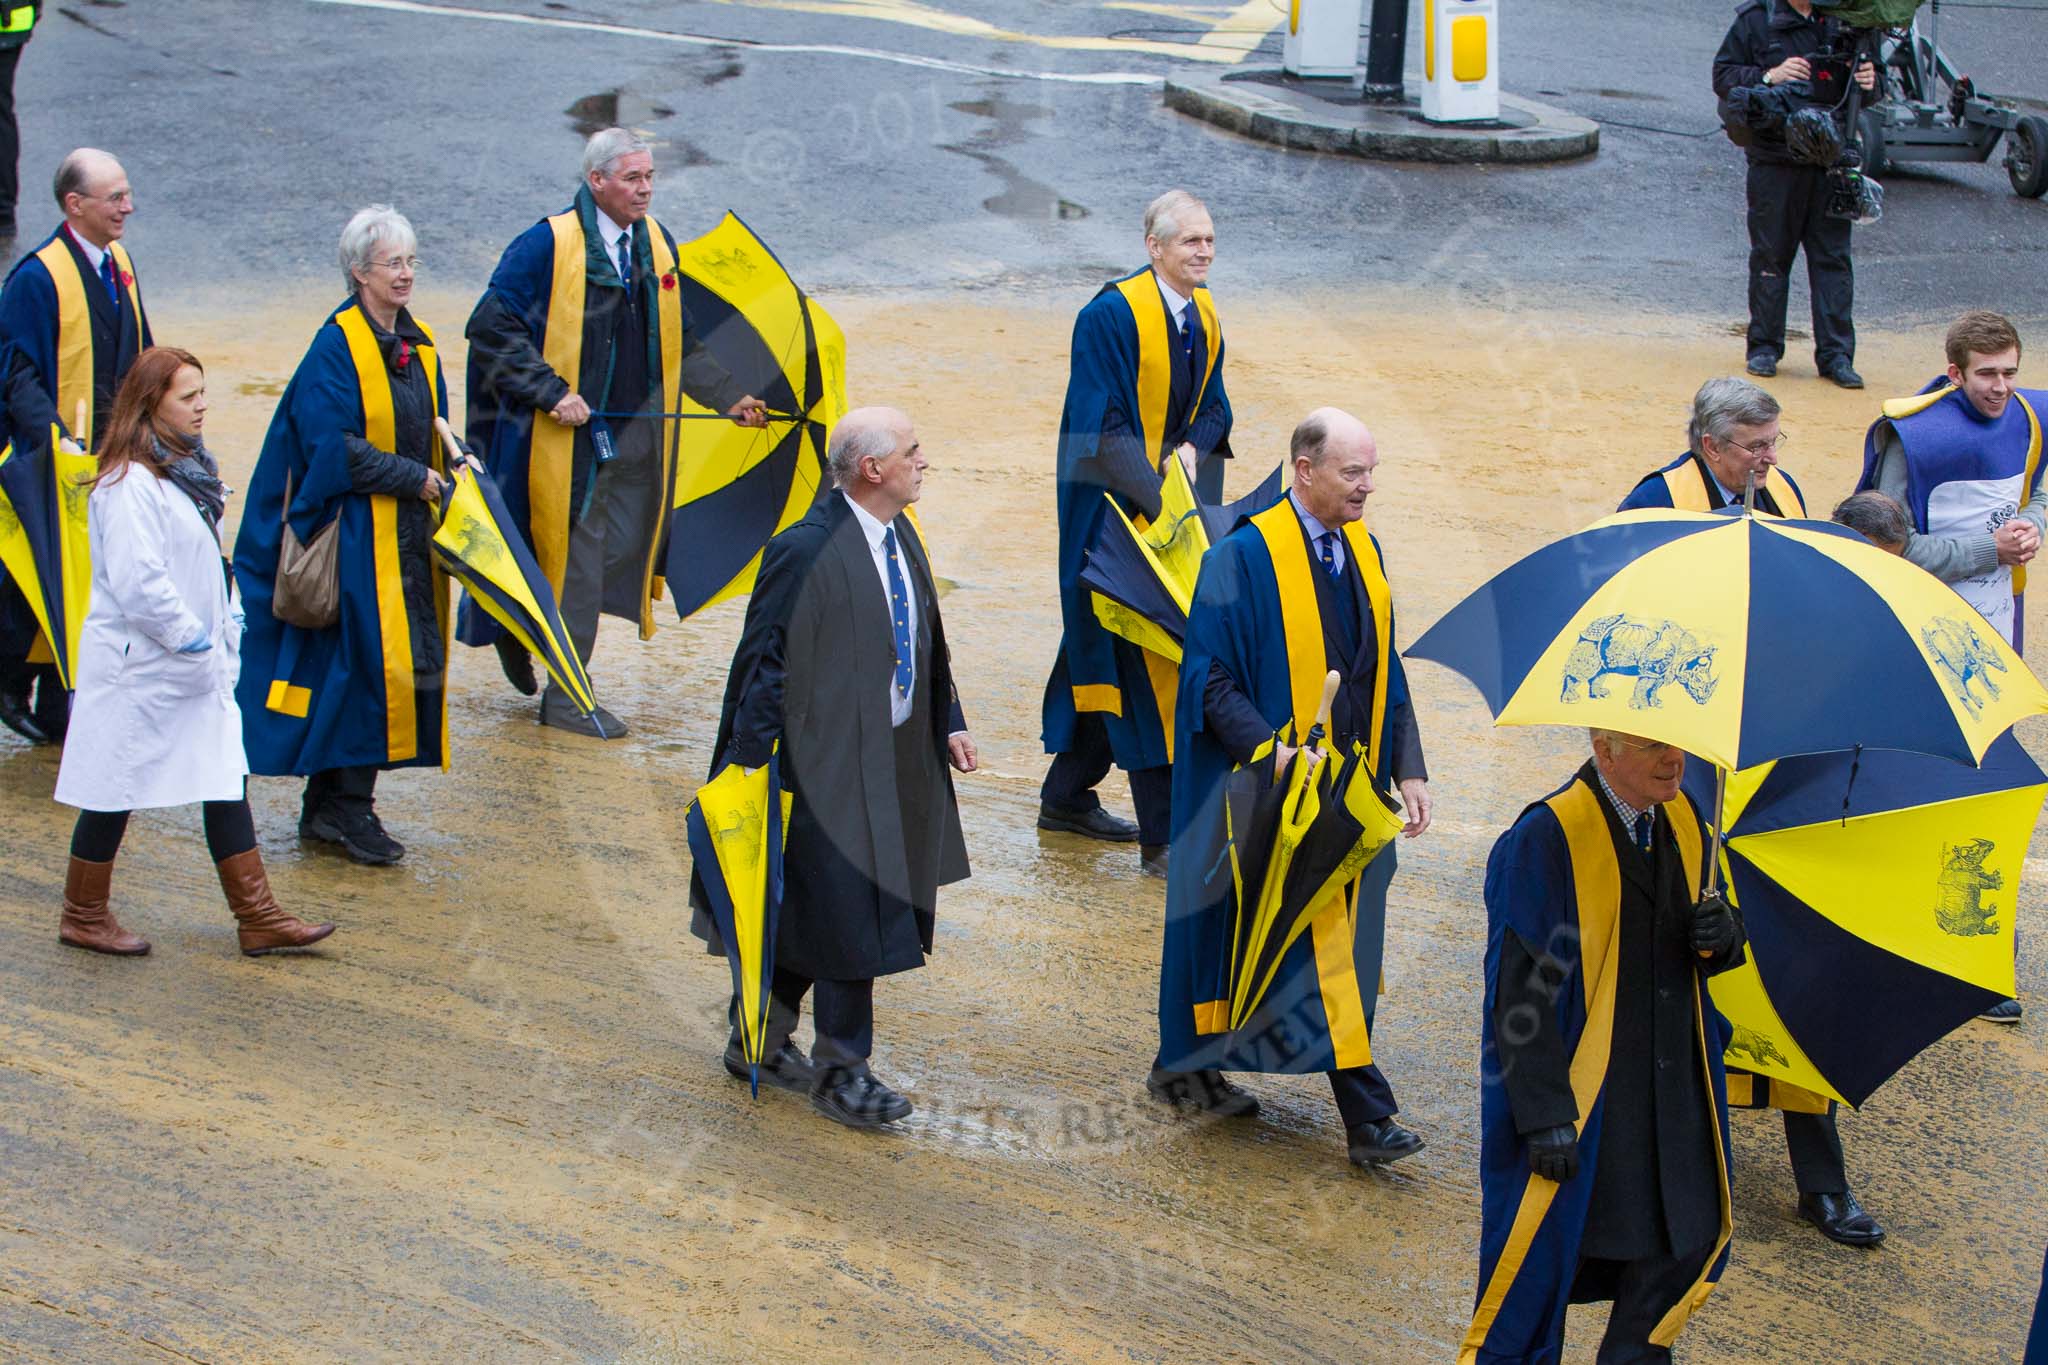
column 1642, row 746
column 398, row 263
column 117, row 197
column 1761, row 448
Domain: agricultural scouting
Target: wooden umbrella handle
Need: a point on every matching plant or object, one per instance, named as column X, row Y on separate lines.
column 78, row 431
column 456, row 458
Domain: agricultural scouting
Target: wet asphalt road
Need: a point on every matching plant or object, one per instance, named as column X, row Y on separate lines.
column 253, row 127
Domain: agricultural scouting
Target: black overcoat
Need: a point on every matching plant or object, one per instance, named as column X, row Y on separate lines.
column 874, row 830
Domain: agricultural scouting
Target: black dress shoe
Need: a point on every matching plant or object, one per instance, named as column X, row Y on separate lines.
column 2004, row 1012
column 856, row 1099
column 786, row 1068
column 15, row 715
column 1152, row 860
column 1380, row 1141
column 1840, row 1218
column 1762, row 364
column 1207, row 1092
column 518, row 665
column 1843, row 374
column 1091, row 824
column 599, row 724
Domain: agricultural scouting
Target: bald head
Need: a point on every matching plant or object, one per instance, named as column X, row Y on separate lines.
column 92, row 189
column 875, row 457
column 1334, row 457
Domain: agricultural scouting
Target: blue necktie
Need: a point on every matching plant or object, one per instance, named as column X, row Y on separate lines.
column 1643, row 832
column 107, row 278
column 626, row 263
column 899, row 614
column 1326, row 549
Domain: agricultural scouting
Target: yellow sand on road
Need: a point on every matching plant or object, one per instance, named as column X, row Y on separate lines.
column 488, row 1122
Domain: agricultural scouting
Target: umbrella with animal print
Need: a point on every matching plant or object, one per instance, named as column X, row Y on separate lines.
column 1878, row 890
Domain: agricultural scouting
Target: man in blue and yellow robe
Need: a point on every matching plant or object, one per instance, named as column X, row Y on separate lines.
column 1733, row 432
column 584, row 317
column 1144, row 384
column 1294, row 592
column 71, row 318
column 1603, row 1110
column 339, row 703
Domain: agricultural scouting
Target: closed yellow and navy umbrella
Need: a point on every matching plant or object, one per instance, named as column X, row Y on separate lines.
column 1739, row 638
column 1878, row 891
column 44, row 544
column 736, row 487
column 1142, row 579
column 504, row 578
column 738, row 823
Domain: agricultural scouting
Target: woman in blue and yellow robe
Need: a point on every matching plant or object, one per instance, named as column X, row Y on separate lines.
column 353, row 444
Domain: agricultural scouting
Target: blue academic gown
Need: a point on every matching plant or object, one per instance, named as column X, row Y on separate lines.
column 1236, row 621
column 317, row 699
column 1103, row 390
column 1525, row 1286
column 1653, row 491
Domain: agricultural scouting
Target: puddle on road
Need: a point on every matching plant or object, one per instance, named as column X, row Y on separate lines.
column 613, row 109
column 1023, row 198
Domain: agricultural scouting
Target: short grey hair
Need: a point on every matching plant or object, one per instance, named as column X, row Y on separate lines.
column 74, row 172
column 606, row 146
column 853, row 442
column 1311, row 438
column 370, row 228
column 1165, row 215
column 1877, row 517
column 1724, row 404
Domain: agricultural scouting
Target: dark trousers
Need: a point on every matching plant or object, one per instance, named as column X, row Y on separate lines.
column 843, row 1012
column 38, row 689
column 606, row 566
column 1070, row 783
column 1815, row 1146
column 351, row 791
column 1643, row 1291
column 230, row 831
column 1787, row 214
column 10, row 141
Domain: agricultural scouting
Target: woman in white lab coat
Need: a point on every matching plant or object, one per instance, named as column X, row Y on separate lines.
column 154, row 721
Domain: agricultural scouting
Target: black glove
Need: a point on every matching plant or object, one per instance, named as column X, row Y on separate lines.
column 1715, row 929
column 1554, row 1152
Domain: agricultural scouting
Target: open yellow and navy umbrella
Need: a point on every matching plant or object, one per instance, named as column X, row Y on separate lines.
column 504, row 578
column 735, row 486
column 1142, row 578
column 1878, row 890
column 738, row 823
column 1299, row 838
column 44, row 544
column 1739, row 638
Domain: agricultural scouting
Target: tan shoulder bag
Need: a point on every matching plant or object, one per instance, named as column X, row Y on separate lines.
column 308, row 588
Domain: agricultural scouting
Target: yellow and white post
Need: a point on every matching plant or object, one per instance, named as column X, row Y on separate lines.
column 1322, row 39
column 1460, row 60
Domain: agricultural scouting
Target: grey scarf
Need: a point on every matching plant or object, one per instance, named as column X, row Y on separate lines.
column 198, row 473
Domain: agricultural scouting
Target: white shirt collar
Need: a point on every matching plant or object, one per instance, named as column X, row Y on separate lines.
column 869, row 526
column 1308, row 518
column 93, row 254
column 610, row 231
column 1175, row 304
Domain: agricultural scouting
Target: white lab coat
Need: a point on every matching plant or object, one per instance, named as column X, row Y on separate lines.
column 151, row 726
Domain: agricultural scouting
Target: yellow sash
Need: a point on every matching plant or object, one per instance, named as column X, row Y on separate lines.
column 380, row 429
column 74, row 328
column 1688, row 488
column 1157, row 356
column 1596, row 887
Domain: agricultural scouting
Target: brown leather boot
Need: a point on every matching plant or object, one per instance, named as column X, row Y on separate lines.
column 87, row 922
column 259, row 923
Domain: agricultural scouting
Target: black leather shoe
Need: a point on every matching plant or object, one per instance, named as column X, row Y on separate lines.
column 518, row 665
column 1152, row 860
column 1840, row 1218
column 856, row 1099
column 361, row 837
column 1762, row 364
column 14, row 714
column 601, row 724
column 1207, row 1092
column 786, row 1068
column 1380, row 1141
column 1090, row 824
column 1843, row 374
column 2004, row 1012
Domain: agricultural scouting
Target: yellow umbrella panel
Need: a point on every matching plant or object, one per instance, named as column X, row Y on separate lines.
column 738, row 824
column 45, row 544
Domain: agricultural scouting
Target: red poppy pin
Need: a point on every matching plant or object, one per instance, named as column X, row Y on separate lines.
column 404, row 354
column 127, row 280
column 668, row 281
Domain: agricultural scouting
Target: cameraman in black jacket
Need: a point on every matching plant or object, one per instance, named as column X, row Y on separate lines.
column 1773, row 42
